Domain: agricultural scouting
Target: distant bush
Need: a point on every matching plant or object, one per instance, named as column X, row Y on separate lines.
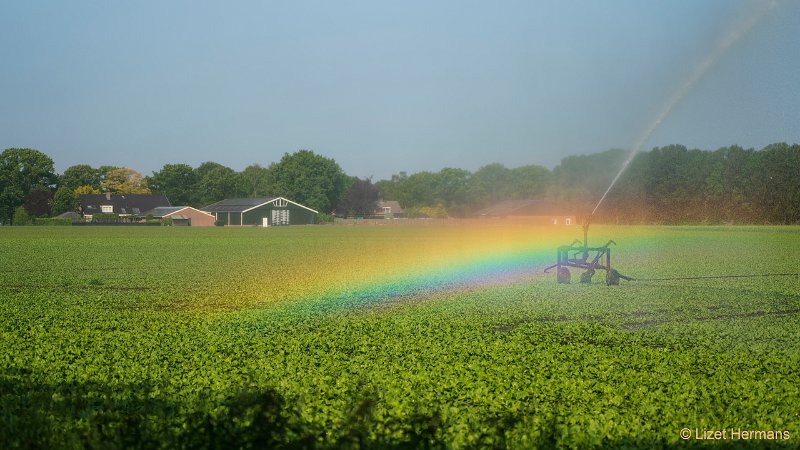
column 51, row 221
column 430, row 212
column 105, row 216
column 324, row 218
column 219, row 223
column 21, row 216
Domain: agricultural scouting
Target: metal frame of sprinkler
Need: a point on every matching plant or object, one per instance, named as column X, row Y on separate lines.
column 580, row 253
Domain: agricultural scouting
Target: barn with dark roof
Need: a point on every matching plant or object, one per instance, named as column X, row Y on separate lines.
column 261, row 212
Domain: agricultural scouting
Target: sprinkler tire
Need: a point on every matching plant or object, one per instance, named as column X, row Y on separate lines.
column 563, row 276
column 612, row 278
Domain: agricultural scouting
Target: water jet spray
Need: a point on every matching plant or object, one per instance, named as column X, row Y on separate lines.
column 580, row 251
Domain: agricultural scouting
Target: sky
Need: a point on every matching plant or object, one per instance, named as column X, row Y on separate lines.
column 383, row 87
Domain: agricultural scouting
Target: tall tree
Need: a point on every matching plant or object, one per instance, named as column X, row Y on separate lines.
column 777, row 186
column 452, row 190
column 22, row 170
column 490, row 183
column 394, row 189
column 254, row 181
column 360, row 199
column 64, row 200
column 178, row 182
column 313, row 180
column 81, row 175
column 215, row 182
column 581, row 180
column 124, row 181
column 420, row 189
column 529, row 182
column 38, row 203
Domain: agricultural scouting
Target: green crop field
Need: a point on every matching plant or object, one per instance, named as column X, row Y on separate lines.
column 416, row 336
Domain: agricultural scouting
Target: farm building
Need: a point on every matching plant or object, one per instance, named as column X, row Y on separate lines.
column 388, row 209
column 261, row 212
column 181, row 215
column 538, row 211
column 126, row 206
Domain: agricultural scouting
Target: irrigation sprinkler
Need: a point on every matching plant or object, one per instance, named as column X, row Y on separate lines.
column 580, row 251
column 578, row 255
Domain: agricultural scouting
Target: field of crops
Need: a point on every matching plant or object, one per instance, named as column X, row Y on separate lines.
column 425, row 336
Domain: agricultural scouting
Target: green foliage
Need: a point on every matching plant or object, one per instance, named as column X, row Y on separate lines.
column 668, row 185
column 432, row 212
column 64, row 200
column 777, row 183
column 86, row 189
column 124, row 181
column 21, row 216
column 114, row 351
column 51, row 221
column 22, row 170
column 81, row 175
column 462, row 193
column 106, row 218
column 215, row 182
column 324, row 218
column 178, row 182
column 309, row 179
column 490, row 184
column 254, row 181
column 360, row 199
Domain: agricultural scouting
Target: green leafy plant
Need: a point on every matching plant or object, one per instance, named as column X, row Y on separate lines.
column 242, row 339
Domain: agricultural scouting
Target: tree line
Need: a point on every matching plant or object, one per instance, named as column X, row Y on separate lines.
column 29, row 186
column 667, row 185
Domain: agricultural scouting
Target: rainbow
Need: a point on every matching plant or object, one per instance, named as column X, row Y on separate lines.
column 422, row 262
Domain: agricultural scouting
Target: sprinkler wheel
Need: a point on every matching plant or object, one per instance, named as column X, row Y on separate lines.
column 563, row 276
column 612, row 277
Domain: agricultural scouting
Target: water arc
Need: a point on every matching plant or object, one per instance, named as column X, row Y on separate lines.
column 734, row 33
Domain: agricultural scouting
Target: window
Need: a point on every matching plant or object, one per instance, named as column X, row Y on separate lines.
column 568, row 221
column 280, row 217
column 281, row 203
column 107, row 209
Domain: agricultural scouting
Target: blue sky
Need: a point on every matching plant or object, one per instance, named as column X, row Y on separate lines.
column 384, row 87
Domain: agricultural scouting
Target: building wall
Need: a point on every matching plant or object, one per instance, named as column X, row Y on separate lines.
column 297, row 215
column 229, row 218
column 255, row 217
column 199, row 219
